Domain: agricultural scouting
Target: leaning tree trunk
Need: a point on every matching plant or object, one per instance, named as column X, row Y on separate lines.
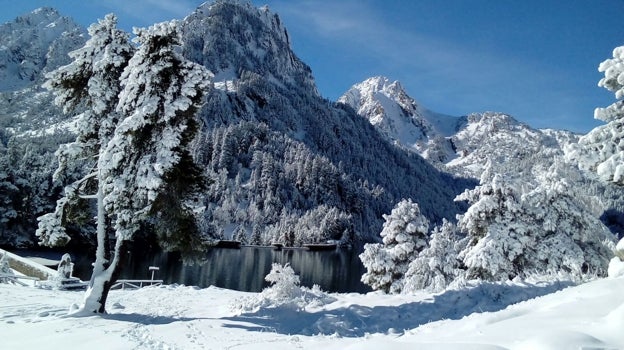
column 102, row 280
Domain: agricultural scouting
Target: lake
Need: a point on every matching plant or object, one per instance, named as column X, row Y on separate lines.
column 244, row 269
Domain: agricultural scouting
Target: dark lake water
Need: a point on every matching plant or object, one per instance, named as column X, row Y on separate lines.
column 244, row 269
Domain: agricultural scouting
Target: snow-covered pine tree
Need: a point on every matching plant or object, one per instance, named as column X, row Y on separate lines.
column 256, row 235
column 8, row 191
column 547, row 230
column 240, row 234
column 570, row 238
column 89, row 86
column 497, row 237
column 148, row 172
column 404, row 235
column 438, row 265
column 602, row 149
column 139, row 120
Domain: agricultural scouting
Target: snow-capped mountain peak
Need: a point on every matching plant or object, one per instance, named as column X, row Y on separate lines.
column 400, row 118
column 33, row 44
column 232, row 38
column 377, row 97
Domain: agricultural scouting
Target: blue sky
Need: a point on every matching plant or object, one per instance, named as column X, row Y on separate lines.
column 536, row 60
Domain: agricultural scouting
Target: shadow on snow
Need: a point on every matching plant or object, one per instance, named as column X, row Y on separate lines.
column 357, row 320
column 146, row 319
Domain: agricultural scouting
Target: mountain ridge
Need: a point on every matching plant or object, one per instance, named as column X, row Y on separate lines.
column 401, row 119
column 34, row 44
column 286, row 165
column 326, row 144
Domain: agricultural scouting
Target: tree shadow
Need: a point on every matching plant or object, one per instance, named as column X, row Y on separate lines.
column 146, row 319
column 358, row 320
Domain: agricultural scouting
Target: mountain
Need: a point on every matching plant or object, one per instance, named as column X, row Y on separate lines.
column 480, row 145
column 461, row 145
column 285, row 164
column 30, row 46
column 34, row 44
column 289, row 165
column 401, row 119
column 504, row 142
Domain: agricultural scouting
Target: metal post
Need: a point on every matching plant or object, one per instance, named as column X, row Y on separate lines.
column 153, row 269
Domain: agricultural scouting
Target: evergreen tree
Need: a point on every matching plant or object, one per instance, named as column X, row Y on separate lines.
column 8, row 192
column 602, row 150
column 404, row 235
column 145, row 171
column 497, row 237
column 256, row 235
column 89, row 84
column 240, row 234
column 570, row 237
column 547, row 230
column 148, row 171
column 438, row 265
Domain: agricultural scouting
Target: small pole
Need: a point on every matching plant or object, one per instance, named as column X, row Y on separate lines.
column 153, row 269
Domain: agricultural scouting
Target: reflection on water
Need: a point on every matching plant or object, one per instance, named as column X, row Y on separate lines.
column 244, row 269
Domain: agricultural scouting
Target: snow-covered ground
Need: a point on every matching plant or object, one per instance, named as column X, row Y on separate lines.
column 589, row 316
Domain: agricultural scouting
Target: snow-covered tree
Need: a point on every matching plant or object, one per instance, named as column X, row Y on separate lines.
column 570, row 238
column 404, row 235
column 602, row 149
column 438, row 265
column 542, row 231
column 240, row 234
column 89, row 84
column 8, row 191
column 256, row 236
column 146, row 174
column 497, row 238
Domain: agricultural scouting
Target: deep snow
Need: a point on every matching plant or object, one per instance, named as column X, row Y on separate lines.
column 588, row 316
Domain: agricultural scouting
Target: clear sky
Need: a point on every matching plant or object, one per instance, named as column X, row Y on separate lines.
column 534, row 59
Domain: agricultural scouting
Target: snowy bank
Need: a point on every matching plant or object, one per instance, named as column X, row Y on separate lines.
column 179, row 317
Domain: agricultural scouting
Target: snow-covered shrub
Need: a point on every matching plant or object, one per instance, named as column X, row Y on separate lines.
column 285, row 283
column 284, row 292
column 404, row 235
